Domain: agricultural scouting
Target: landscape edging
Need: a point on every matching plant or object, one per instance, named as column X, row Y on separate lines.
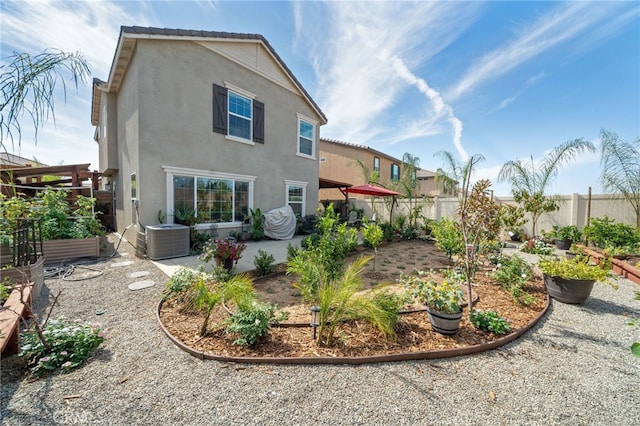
column 403, row 356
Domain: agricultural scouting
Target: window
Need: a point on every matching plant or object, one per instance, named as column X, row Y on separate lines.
column 238, row 115
column 395, row 172
column 306, row 137
column 296, row 197
column 376, row 164
column 134, row 187
column 219, row 198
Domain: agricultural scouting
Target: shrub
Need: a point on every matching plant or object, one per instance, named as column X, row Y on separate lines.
column 512, row 272
column 409, row 233
column 535, row 246
column 292, row 251
column 387, row 231
column 4, row 291
column 180, row 281
column 264, row 262
column 605, row 233
column 71, row 343
column 252, row 322
column 448, row 237
column 442, row 296
column 489, row 321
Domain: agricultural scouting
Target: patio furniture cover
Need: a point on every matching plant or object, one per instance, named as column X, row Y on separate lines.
column 280, row 223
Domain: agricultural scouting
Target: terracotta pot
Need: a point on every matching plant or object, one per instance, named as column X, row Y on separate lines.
column 444, row 323
column 568, row 290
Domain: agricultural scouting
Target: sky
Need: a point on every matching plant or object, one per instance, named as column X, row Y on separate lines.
column 506, row 80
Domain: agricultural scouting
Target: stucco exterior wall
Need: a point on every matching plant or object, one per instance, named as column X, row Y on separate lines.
column 165, row 118
column 341, row 165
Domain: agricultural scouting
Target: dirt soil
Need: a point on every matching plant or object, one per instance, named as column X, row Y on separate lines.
column 358, row 338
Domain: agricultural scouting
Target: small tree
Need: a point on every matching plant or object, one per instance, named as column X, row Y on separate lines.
column 530, row 181
column 373, row 235
column 620, row 163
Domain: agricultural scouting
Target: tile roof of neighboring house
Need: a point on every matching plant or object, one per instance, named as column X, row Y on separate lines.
column 361, row 147
column 422, row 173
column 124, row 52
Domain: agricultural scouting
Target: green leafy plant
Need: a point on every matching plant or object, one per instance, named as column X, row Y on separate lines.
column 71, row 344
column 448, row 237
column 205, row 294
column 576, row 268
column 372, row 234
column 445, row 296
column 569, row 232
column 512, row 272
column 5, row 289
column 635, row 349
column 339, row 301
column 252, row 322
column 606, row 233
column 489, row 322
column 257, row 225
column 264, row 262
column 512, row 220
column 179, row 282
column 324, row 253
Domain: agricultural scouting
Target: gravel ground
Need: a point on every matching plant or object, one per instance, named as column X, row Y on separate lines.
column 574, row 367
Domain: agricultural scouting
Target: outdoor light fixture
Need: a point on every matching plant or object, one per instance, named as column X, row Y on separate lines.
column 315, row 313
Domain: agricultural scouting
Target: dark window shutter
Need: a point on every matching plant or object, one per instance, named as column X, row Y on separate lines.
column 258, row 121
column 219, row 109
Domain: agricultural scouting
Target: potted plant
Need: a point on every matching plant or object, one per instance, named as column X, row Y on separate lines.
column 565, row 236
column 571, row 280
column 443, row 300
column 225, row 252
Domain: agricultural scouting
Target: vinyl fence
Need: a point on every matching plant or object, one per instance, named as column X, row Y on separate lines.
column 574, row 209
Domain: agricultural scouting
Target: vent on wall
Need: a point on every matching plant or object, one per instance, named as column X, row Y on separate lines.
column 166, row 241
column 323, row 159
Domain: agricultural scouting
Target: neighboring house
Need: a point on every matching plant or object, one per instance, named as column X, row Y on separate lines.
column 12, row 160
column 208, row 121
column 427, row 185
column 341, row 161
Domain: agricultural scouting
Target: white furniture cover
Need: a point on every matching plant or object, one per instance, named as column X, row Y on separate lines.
column 280, row 223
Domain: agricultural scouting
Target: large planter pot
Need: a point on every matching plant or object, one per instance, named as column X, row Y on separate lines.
column 58, row 251
column 444, row 323
column 568, row 290
column 563, row 244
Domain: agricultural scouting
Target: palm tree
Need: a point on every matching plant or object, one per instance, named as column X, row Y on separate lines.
column 408, row 181
column 455, row 173
column 620, row 163
column 28, row 84
column 529, row 181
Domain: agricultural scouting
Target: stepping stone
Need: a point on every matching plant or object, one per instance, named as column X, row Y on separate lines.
column 119, row 264
column 139, row 285
column 138, row 274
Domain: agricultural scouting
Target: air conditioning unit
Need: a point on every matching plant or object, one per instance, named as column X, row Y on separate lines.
column 167, row 240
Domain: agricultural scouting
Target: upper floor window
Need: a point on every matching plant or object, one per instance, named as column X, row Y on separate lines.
column 240, row 109
column 395, row 172
column 238, row 114
column 306, row 137
column 376, row 164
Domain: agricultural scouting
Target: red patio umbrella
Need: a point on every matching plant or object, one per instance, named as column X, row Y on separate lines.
column 374, row 191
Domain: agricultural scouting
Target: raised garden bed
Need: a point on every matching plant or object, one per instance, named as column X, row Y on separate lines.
column 623, row 267
column 60, row 251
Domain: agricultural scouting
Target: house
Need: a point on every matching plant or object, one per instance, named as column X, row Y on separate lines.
column 210, row 122
column 354, row 164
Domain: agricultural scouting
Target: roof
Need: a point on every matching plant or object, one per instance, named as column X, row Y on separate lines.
column 130, row 35
column 360, row 147
column 424, row 174
column 11, row 160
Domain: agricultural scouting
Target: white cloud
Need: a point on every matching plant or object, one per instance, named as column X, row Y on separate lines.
column 364, row 65
column 552, row 29
column 88, row 27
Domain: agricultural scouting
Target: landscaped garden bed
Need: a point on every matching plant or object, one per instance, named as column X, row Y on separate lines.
column 358, row 341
